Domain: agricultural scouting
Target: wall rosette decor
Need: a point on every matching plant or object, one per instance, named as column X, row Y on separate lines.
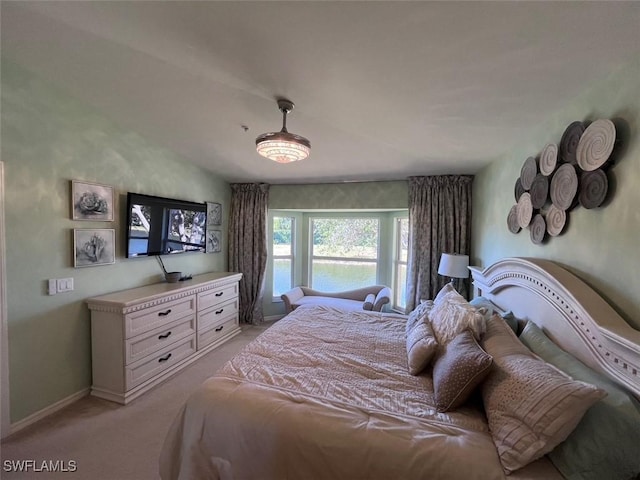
column 563, row 176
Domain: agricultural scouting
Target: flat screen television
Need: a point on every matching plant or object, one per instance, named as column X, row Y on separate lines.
column 164, row 226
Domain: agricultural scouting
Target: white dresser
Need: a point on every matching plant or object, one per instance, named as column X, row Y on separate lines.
column 139, row 337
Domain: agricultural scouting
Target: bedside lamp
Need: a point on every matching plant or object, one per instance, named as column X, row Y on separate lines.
column 454, row 265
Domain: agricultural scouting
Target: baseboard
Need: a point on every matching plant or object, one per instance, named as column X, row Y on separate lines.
column 45, row 412
column 273, row 318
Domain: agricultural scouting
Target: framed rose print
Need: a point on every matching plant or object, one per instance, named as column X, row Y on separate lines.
column 91, row 201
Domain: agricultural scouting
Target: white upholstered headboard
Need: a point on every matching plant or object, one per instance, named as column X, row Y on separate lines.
column 570, row 312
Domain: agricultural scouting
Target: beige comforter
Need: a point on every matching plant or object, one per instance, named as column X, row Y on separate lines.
column 325, row 394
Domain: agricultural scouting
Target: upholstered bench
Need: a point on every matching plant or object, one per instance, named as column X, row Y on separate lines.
column 368, row 298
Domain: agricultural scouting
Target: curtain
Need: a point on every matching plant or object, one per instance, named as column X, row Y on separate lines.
column 248, row 245
column 439, row 222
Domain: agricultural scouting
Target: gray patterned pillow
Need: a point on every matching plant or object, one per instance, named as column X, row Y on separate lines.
column 421, row 346
column 459, row 368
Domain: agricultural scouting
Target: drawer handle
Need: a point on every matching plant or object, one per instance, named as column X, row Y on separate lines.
column 219, row 328
column 166, row 335
column 218, row 312
column 165, row 358
column 219, row 294
column 164, row 314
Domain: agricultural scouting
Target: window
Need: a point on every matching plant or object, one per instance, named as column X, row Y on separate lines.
column 344, row 253
column 283, row 254
column 401, row 229
column 335, row 251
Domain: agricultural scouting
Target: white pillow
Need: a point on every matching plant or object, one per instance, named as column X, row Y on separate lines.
column 369, row 300
column 452, row 315
column 444, row 291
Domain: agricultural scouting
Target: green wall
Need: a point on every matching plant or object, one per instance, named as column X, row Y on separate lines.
column 48, row 139
column 340, row 196
column 602, row 246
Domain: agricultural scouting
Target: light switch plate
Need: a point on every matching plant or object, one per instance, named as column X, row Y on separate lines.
column 52, row 288
column 64, row 284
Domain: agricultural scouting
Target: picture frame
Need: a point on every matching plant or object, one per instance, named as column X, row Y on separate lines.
column 214, row 213
column 91, row 201
column 214, row 241
column 93, row 247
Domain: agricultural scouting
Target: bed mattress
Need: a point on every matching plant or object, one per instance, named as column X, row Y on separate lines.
column 326, row 393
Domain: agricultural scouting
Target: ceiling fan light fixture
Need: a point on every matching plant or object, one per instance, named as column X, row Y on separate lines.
column 282, row 146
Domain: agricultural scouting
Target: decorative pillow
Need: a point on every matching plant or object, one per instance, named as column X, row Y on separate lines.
column 416, row 314
column 500, row 341
column 421, row 346
column 448, row 288
column 511, row 320
column 369, row 300
column 484, row 306
column 458, row 370
column 531, row 406
column 449, row 318
column 605, row 442
column 509, row 317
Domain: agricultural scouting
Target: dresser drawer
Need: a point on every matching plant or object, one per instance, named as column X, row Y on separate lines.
column 215, row 296
column 214, row 315
column 159, row 315
column 150, row 366
column 157, row 339
column 217, row 331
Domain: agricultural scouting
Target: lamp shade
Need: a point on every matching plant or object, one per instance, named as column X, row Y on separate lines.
column 454, row 265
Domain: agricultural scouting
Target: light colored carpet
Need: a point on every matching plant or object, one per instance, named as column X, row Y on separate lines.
column 111, row 441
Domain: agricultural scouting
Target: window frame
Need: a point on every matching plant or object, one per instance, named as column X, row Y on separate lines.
column 291, row 256
column 397, row 261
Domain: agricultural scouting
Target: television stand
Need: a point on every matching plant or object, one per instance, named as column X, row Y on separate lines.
column 142, row 336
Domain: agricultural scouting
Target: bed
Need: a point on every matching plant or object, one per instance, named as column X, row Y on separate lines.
column 325, row 393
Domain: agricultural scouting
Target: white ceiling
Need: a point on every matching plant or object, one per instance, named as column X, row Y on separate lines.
column 382, row 90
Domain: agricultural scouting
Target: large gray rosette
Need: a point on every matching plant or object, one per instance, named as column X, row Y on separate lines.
column 91, row 203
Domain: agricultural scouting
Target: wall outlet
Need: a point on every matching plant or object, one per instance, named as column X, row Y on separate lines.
column 64, row 285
